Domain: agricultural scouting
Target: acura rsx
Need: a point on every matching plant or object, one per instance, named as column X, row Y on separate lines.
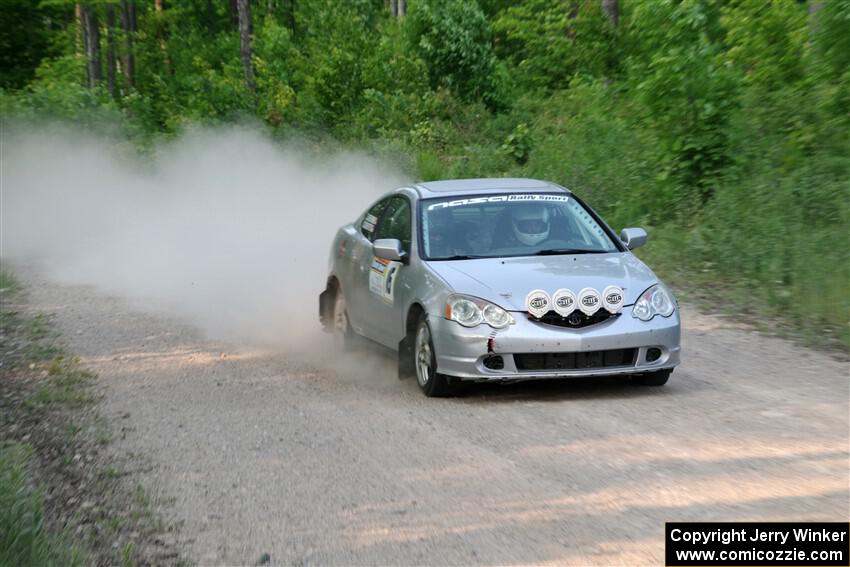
column 499, row 280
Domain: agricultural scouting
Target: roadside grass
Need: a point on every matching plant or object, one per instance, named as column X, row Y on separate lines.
column 40, row 352
column 816, row 319
column 24, row 537
column 29, row 349
column 68, row 387
column 7, row 282
column 67, row 383
column 54, row 479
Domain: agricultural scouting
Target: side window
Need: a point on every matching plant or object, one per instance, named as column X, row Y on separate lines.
column 395, row 222
column 370, row 220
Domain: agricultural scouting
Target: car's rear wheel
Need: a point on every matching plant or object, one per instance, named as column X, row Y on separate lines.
column 434, row 385
column 342, row 332
column 658, row 378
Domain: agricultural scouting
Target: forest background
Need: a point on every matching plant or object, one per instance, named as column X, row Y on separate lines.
column 723, row 127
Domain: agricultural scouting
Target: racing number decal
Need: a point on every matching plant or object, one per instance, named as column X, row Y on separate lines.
column 382, row 276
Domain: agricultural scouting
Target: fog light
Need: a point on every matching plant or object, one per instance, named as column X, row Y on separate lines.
column 494, row 362
column 653, row 354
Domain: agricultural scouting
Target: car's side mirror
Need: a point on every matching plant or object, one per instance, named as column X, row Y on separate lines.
column 633, row 237
column 389, row 249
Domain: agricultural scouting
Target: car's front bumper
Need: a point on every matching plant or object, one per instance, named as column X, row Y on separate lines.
column 462, row 352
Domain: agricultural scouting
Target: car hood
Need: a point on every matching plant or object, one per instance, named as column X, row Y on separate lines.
column 507, row 281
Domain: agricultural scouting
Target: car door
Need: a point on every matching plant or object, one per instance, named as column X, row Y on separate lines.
column 387, row 279
column 356, row 281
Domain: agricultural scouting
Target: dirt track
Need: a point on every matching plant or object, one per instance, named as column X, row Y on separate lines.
column 267, row 454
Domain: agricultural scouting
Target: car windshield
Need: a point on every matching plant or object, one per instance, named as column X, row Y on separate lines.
column 513, row 224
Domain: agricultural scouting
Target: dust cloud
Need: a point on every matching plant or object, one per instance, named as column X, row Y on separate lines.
column 223, row 228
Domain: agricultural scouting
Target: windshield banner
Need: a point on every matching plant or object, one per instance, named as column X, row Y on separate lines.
column 499, row 199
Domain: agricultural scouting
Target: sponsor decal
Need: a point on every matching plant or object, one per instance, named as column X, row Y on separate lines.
column 500, row 199
column 379, row 265
column 564, row 302
column 537, row 303
column 382, row 277
column 589, row 301
column 612, row 298
column 369, row 223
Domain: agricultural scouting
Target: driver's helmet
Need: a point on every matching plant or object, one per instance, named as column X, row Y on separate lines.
column 531, row 223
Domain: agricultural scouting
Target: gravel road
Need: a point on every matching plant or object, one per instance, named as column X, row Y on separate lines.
column 339, row 462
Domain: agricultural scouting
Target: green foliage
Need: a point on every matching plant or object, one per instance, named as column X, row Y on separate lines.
column 453, row 38
column 586, row 141
column 831, row 34
column 190, row 76
column 273, row 54
column 518, row 144
column 396, row 95
column 23, row 47
column 24, row 538
column 765, row 40
column 335, row 80
column 686, row 93
column 391, row 68
column 548, row 42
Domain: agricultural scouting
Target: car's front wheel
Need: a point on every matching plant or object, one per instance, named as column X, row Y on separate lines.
column 658, row 378
column 434, row 385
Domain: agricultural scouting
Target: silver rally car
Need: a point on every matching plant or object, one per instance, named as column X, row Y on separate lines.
column 499, row 280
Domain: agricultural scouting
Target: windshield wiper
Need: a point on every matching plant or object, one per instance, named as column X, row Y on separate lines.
column 460, row 257
column 558, row 251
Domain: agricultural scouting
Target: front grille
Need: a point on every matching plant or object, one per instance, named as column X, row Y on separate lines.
column 576, row 360
column 576, row 319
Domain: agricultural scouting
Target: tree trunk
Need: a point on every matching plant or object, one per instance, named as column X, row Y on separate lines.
column 612, row 10
column 80, row 38
column 233, row 8
column 572, row 14
column 160, row 30
column 398, row 8
column 110, row 49
column 244, row 9
column 128, row 23
column 92, row 35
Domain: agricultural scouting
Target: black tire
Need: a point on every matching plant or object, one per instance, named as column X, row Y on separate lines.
column 433, row 385
column 658, row 378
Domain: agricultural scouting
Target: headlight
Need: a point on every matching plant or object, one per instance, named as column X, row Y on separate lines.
column 657, row 300
column 471, row 311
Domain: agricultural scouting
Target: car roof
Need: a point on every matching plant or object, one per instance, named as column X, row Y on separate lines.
column 447, row 187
